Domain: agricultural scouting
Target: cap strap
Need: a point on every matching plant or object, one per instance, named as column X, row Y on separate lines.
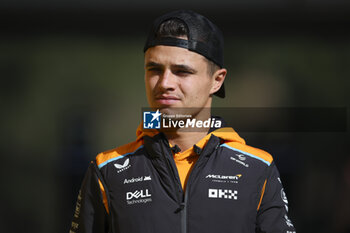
column 191, row 45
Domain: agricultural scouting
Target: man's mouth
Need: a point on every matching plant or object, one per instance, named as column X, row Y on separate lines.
column 167, row 99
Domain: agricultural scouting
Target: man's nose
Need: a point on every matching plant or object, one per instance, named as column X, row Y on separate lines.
column 167, row 80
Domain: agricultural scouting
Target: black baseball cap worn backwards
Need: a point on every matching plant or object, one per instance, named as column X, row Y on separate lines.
column 204, row 38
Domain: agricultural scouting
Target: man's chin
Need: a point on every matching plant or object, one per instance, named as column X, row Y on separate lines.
column 169, row 110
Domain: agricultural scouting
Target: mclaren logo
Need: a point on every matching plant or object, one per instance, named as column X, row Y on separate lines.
column 224, row 179
column 221, row 177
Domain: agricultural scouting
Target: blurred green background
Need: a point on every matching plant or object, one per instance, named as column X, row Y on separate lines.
column 72, row 86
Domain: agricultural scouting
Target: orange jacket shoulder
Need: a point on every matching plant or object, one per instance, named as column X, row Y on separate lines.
column 104, row 157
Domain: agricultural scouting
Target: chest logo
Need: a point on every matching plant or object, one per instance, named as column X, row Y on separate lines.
column 137, row 179
column 122, row 167
column 241, row 157
column 224, row 179
column 223, row 194
column 240, row 160
column 138, row 197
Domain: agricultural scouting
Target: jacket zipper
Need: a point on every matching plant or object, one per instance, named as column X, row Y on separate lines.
column 183, row 204
column 182, row 196
column 184, row 212
column 172, row 167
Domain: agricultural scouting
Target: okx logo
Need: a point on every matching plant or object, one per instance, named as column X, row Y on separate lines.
column 151, row 120
column 223, row 193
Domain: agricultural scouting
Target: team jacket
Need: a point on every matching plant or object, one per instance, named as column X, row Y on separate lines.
column 135, row 188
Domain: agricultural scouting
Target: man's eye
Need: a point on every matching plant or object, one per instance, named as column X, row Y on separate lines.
column 183, row 72
column 155, row 69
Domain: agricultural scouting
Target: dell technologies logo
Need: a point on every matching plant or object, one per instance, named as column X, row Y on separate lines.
column 223, row 194
column 138, row 197
column 137, row 194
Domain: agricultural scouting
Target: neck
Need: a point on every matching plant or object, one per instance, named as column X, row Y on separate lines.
column 185, row 138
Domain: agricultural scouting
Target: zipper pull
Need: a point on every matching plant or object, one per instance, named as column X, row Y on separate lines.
column 181, row 207
column 175, row 149
column 197, row 149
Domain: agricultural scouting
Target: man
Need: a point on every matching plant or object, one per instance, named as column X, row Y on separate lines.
column 173, row 180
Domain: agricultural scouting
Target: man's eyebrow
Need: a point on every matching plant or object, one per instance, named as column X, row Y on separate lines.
column 185, row 67
column 151, row 63
column 176, row 66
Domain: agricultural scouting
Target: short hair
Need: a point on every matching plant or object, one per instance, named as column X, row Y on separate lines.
column 176, row 28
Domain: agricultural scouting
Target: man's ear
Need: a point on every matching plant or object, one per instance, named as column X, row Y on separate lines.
column 218, row 79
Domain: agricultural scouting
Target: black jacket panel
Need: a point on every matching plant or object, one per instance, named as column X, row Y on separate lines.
column 272, row 215
column 232, row 188
column 90, row 215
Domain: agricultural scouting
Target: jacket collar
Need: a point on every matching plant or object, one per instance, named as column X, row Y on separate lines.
column 226, row 134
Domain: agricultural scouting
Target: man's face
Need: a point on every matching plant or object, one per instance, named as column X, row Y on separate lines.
column 177, row 78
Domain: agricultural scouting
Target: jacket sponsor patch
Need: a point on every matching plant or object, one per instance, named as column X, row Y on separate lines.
column 288, row 221
column 138, row 197
column 284, row 199
column 124, row 166
column 240, row 161
column 137, row 179
column 223, row 178
column 223, row 194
